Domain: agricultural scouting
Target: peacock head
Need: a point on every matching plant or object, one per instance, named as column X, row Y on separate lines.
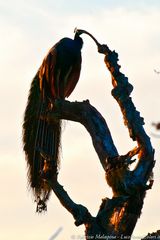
column 77, row 38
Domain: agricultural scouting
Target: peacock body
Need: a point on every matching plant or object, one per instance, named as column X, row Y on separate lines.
column 55, row 79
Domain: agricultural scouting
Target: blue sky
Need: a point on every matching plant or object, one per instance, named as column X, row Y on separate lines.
column 28, row 29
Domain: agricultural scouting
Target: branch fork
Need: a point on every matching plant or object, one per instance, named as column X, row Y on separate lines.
column 117, row 216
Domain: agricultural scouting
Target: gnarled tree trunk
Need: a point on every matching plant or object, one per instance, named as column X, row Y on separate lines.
column 118, row 216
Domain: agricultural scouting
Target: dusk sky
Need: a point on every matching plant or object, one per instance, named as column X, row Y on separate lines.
column 28, row 29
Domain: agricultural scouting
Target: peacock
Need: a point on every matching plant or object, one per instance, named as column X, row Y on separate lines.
column 55, row 79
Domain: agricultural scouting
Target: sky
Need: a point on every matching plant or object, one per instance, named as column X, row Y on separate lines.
column 28, row 29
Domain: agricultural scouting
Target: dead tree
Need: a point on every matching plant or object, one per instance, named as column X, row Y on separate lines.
column 118, row 216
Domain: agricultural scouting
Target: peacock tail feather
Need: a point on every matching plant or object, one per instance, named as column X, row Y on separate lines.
column 41, row 143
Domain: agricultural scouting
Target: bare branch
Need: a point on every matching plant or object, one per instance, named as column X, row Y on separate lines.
column 133, row 184
column 133, row 121
column 93, row 121
column 79, row 212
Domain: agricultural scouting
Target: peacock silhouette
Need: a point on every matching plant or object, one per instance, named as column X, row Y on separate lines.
column 55, row 79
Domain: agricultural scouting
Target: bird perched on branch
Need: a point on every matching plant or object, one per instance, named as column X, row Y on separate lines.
column 55, row 79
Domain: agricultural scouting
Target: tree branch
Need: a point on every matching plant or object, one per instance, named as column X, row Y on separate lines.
column 79, row 212
column 121, row 92
column 131, row 183
column 93, row 121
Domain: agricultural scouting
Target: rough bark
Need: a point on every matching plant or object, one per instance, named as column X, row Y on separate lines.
column 118, row 216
